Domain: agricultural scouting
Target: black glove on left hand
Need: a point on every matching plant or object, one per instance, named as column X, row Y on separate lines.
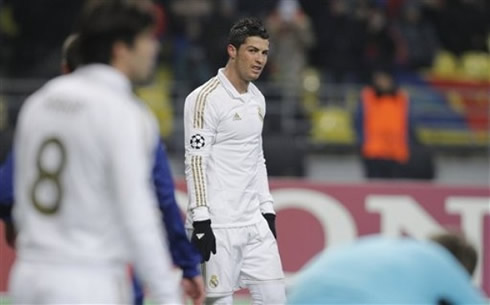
column 271, row 221
column 203, row 238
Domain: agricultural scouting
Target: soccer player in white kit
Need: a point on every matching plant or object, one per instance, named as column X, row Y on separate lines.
column 84, row 150
column 230, row 207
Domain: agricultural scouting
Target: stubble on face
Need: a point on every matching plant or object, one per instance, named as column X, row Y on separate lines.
column 252, row 58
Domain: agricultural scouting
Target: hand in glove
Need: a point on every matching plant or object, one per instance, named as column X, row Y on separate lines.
column 203, row 239
column 271, row 221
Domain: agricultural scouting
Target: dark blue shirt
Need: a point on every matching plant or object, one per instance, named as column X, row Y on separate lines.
column 6, row 188
column 183, row 252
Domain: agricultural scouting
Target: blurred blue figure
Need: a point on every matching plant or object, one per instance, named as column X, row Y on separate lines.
column 183, row 253
column 379, row 270
column 6, row 188
column 7, row 198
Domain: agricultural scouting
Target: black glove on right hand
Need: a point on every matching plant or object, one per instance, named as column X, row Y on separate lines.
column 271, row 221
column 203, row 238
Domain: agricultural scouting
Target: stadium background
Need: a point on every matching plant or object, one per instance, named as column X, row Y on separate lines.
column 321, row 55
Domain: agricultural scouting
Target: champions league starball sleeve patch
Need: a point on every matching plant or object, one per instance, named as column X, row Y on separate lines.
column 197, row 141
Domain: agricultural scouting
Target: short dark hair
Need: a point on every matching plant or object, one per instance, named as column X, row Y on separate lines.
column 105, row 22
column 459, row 247
column 244, row 28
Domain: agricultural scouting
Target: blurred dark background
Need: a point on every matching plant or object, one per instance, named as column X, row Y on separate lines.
column 323, row 53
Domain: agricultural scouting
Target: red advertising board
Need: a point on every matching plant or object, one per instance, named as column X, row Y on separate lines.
column 312, row 216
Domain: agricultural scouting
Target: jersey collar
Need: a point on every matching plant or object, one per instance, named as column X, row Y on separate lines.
column 245, row 97
column 106, row 74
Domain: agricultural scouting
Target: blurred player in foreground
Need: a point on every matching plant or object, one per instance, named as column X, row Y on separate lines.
column 230, row 206
column 379, row 270
column 84, row 150
column 70, row 60
column 184, row 254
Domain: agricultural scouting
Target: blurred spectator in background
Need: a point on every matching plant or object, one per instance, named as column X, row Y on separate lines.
column 257, row 8
column 7, row 30
column 32, row 33
column 6, row 137
column 316, row 10
column 383, row 127
column 216, row 33
column 341, row 37
column 378, row 270
column 188, row 22
column 461, row 25
column 342, row 41
column 291, row 37
column 379, row 45
column 42, row 27
column 386, row 133
column 417, row 42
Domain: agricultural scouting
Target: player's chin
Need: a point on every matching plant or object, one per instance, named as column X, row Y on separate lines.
column 143, row 78
column 254, row 76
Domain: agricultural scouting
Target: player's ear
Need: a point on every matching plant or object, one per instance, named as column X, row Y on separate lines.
column 120, row 51
column 64, row 67
column 232, row 51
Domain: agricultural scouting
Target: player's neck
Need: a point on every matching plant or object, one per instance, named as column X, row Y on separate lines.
column 122, row 67
column 232, row 75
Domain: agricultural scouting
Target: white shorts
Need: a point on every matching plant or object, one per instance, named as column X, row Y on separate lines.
column 244, row 255
column 42, row 283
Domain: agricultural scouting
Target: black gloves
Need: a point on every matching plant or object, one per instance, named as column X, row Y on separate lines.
column 271, row 221
column 203, row 238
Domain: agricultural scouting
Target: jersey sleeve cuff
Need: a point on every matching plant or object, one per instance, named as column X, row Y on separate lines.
column 267, row 207
column 200, row 213
column 190, row 272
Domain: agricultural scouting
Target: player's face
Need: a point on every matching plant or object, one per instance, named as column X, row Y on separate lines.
column 142, row 55
column 251, row 58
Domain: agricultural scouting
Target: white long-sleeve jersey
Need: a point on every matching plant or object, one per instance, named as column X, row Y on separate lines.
column 84, row 150
column 224, row 160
